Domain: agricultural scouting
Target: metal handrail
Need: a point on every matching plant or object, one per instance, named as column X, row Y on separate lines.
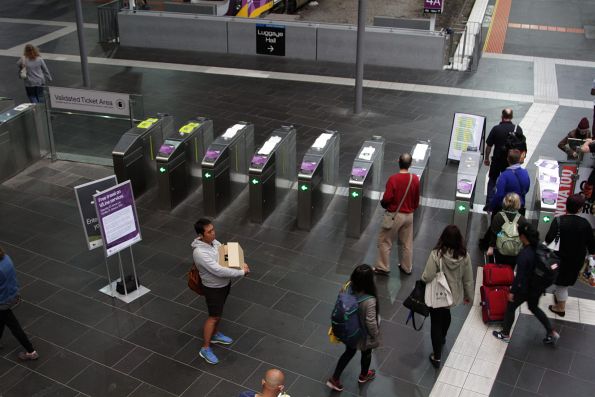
column 107, row 21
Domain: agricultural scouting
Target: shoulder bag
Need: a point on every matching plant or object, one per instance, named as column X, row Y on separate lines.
column 23, row 71
column 415, row 302
column 389, row 217
column 194, row 282
column 438, row 293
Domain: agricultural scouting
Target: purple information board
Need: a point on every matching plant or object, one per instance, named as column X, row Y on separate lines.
column 167, row 149
column 549, row 196
column 308, row 166
column 212, row 154
column 464, row 186
column 433, row 6
column 359, row 171
column 116, row 213
column 258, row 159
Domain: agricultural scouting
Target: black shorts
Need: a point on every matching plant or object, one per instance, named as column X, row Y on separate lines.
column 216, row 298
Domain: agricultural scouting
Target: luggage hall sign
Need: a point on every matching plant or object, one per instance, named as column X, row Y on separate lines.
column 433, row 6
column 270, row 40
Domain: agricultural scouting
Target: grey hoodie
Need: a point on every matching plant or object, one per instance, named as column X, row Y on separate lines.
column 458, row 272
column 37, row 71
column 206, row 259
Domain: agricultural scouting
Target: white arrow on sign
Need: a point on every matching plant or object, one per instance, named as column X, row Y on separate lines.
column 271, row 48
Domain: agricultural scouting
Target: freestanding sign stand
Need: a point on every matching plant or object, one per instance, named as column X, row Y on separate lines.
column 468, row 131
column 119, row 226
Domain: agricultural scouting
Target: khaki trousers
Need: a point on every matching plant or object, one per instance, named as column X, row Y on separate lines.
column 402, row 227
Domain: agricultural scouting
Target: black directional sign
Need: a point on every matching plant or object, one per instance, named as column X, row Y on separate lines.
column 270, row 40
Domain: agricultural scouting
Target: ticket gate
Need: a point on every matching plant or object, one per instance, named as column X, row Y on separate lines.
column 469, row 166
column 317, row 178
column 23, row 138
column 179, row 161
column 365, row 185
column 134, row 154
column 420, row 154
column 225, row 166
column 272, row 168
column 545, row 196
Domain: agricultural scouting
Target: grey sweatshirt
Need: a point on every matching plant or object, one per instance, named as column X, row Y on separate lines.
column 458, row 272
column 206, row 259
column 37, row 71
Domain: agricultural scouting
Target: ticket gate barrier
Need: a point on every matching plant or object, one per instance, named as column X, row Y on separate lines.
column 365, row 185
column 179, row 161
column 420, row 154
column 469, row 166
column 23, row 138
column 134, row 154
column 272, row 171
column 545, row 196
column 317, row 178
column 225, row 166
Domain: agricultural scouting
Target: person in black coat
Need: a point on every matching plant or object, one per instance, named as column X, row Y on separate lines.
column 576, row 240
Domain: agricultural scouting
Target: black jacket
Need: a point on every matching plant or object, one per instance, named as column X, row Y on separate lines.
column 525, row 263
column 576, row 240
column 497, row 138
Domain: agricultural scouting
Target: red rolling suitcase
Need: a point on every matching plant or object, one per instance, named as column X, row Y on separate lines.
column 495, row 275
column 493, row 303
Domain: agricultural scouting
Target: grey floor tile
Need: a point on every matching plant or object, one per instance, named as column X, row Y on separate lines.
column 509, row 371
column 234, row 306
column 38, row 291
column 56, row 329
column 98, row 380
column 580, row 367
column 167, row 313
column 36, row 384
column 132, row 360
column 101, row 347
column 256, row 292
column 555, row 359
column 77, row 307
column 202, row 386
column 166, row 374
column 530, row 377
column 63, row 365
column 159, row 338
column 145, row 390
column 63, row 275
column 247, row 341
column 232, row 366
column 308, row 285
column 296, row 305
column 224, row 389
column 501, row 389
column 120, row 323
column 321, row 314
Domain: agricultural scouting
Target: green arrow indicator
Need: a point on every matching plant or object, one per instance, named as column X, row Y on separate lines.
column 162, row 169
column 547, row 219
column 354, row 194
column 207, row 174
column 255, row 181
column 462, row 208
column 304, row 187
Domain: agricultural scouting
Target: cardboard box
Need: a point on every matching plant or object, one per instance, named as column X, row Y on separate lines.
column 231, row 255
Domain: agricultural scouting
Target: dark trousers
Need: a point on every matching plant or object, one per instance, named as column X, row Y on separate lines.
column 348, row 355
column 8, row 319
column 440, row 322
column 532, row 299
column 491, row 190
column 35, row 94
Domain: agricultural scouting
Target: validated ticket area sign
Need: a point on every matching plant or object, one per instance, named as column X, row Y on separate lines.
column 270, row 39
column 433, row 6
column 89, row 100
column 116, row 212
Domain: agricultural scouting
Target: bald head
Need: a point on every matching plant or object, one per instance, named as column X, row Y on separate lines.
column 405, row 161
column 507, row 114
column 273, row 380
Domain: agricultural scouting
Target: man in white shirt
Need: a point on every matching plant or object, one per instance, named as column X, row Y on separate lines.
column 216, row 281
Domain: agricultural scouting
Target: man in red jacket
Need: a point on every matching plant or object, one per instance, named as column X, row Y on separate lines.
column 401, row 199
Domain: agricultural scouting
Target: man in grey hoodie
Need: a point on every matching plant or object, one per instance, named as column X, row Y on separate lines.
column 216, row 281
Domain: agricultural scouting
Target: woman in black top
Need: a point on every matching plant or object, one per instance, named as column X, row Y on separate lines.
column 522, row 289
column 576, row 240
column 510, row 209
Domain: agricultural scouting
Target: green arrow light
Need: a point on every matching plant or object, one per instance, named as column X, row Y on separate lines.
column 354, row 194
column 304, row 187
column 255, row 181
column 207, row 174
column 162, row 169
column 547, row 219
column 462, row 208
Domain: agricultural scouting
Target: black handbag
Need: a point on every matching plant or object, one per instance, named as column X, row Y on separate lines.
column 130, row 285
column 415, row 302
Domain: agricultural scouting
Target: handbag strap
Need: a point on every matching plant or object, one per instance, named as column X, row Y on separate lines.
column 404, row 195
column 411, row 317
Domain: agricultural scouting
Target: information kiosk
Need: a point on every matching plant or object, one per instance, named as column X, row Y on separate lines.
column 469, row 165
column 317, row 178
column 365, row 185
column 134, row 154
column 225, row 166
column 272, row 171
column 547, row 182
column 179, row 160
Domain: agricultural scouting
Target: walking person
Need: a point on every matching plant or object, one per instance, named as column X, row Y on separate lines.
column 32, row 66
column 523, row 290
column 363, row 287
column 9, row 297
column 513, row 179
column 216, row 281
column 400, row 199
column 451, row 257
column 576, row 240
column 503, row 220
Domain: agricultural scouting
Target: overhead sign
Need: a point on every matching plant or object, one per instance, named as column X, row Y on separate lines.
column 467, row 131
column 117, row 217
column 433, row 6
column 270, row 40
column 84, row 198
column 89, row 101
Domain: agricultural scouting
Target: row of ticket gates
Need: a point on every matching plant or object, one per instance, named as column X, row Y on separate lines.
column 155, row 153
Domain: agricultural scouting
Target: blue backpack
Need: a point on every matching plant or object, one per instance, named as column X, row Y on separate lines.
column 345, row 321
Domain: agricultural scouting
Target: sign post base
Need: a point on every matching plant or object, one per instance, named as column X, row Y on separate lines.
column 110, row 290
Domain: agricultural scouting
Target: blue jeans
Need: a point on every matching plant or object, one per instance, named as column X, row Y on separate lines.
column 35, row 94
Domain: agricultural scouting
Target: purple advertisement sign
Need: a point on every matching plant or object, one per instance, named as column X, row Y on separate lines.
column 359, row 171
column 167, row 149
column 258, row 159
column 308, row 166
column 212, row 154
column 433, row 6
column 117, row 217
column 464, row 186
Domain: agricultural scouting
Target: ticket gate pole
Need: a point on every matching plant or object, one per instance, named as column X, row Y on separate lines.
column 469, row 166
column 271, row 167
column 545, row 197
column 364, row 185
column 317, row 176
column 226, row 161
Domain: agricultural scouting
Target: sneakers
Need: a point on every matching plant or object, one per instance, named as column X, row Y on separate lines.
column 221, row 339
column 208, row 355
column 435, row 363
column 24, row 356
column 334, row 384
column 552, row 338
column 367, row 377
column 408, row 273
column 502, row 336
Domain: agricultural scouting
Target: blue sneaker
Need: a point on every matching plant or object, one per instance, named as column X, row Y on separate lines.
column 208, row 355
column 221, row 339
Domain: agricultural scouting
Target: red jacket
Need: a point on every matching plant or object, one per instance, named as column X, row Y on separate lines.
column 395, row 189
